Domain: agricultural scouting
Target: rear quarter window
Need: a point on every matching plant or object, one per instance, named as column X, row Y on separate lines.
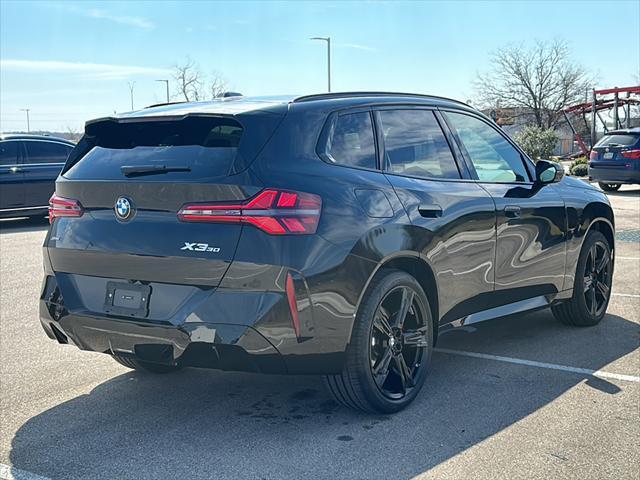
column 350, row 141
column 8, row 152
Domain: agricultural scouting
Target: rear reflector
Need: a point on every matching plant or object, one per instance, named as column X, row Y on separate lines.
column 276, row 212
column 593, row 155
column 64, row 207
column 293, row 305
column 631, row 154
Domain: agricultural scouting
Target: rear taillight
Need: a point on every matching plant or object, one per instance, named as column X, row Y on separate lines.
column 276, row 212
column 64, row 207
column 631, row 154
column 593, row 155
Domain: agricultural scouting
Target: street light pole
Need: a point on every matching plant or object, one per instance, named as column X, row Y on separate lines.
column 27, row 110
column 328, row 40
column 167, row 85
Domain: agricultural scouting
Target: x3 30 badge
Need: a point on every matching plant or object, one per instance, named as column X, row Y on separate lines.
column 200, row 247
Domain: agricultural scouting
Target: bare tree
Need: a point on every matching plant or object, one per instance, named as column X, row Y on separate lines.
column 217, row 85
column 193, row 86
column 188, row 81
column 538, row 81
column 73, row 133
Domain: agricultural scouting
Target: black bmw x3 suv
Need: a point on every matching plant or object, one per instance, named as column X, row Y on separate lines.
column 330, row 234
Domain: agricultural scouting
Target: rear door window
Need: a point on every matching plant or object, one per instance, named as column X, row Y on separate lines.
column 46, row 152
column 352, row 142
column 415, row 145
column 190, row 149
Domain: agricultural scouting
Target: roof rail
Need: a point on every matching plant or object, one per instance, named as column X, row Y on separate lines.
column 326, row 96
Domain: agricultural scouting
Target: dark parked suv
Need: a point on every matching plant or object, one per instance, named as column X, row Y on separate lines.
column 329, row 234
column 615, row 159
column 29, row 166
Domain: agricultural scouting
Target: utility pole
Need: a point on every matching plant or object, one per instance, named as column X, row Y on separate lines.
column 131, row 87
column 616, row 105
column 328, row 40
column 167, row 85
column 594, row 104
column 27, row 110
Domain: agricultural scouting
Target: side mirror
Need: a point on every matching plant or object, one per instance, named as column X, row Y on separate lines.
column 548, row 172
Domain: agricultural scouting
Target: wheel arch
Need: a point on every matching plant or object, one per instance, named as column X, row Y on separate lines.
column 598, row 210
column 604, row 226
column 418, row 268
column 597, row 216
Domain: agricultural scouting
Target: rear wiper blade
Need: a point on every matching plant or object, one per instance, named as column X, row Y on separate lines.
column 131, row 170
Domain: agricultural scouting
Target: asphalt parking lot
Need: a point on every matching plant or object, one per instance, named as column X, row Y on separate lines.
column 523, row 397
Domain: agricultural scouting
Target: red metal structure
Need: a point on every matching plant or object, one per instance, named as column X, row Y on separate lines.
column 599, row 104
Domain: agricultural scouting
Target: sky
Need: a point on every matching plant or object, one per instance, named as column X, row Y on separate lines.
column 69, row 62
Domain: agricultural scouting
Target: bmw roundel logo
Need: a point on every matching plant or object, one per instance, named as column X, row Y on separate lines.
column 123, row 208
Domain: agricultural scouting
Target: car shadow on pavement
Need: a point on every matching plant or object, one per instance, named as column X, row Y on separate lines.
column 208, row 424
column 23, row 224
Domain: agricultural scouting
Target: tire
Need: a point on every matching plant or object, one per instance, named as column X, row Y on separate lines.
column 609, row 187
column 136, row 364
column 381, row 340
column 580, row 311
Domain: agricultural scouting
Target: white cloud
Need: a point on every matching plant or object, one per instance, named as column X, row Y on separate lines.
column 59, row 92
column 95, row 70
column 132, row 21
column 138, row 22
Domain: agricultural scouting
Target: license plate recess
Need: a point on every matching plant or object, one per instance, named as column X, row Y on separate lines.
column 124, row 298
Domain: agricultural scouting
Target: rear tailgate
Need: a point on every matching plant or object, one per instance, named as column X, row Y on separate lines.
column 613, row 150
column 153, row 245
column 157, row 165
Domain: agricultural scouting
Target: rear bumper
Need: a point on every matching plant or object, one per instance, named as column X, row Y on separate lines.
column 220, row 328
column 198, row 344
column 614, row 175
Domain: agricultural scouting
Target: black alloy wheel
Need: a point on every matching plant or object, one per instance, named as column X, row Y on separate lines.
column 592, row 285
column 597, row 278
column 398, row 342
column 391, row 344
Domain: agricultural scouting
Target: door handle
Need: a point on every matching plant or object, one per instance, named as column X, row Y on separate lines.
column 431, row 210
column 15, row 169
column 512, row 211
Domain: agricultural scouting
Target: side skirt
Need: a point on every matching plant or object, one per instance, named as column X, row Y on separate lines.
column 528, row 305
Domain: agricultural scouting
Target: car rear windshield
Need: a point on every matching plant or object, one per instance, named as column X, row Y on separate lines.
column 618, row 139
column 191, row 148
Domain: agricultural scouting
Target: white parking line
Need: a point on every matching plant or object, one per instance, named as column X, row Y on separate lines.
column 632, row 295
column 627, row 258
column 551, row 366
column 12, row 473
